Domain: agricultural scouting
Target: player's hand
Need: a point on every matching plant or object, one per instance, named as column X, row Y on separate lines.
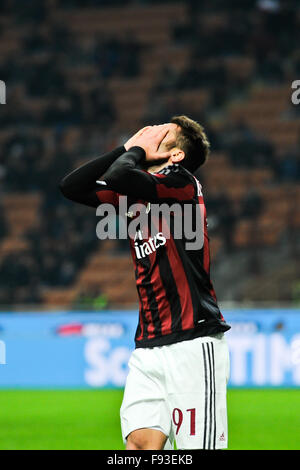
column 150, row 139
column 132, row 141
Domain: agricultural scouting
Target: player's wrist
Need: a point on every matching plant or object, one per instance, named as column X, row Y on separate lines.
column 138, row 152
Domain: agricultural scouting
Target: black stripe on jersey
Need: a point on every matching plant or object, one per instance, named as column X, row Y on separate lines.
column 151, row 299
column 201, row 253
column 209, row 434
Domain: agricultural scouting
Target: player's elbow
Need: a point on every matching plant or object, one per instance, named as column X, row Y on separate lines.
column 65, row 189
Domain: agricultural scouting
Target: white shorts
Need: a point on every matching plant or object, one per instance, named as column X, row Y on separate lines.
column 179, row 389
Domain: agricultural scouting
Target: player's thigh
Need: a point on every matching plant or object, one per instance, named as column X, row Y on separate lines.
column 197, row 393
column 144, row 403
column 146, row 439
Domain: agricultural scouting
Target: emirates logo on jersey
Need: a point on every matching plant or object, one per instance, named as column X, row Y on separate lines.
column 142, row 250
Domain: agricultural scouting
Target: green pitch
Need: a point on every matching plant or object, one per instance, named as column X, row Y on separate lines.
column 258, row 419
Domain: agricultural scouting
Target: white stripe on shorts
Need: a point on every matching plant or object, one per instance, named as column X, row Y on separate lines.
column 209, row 434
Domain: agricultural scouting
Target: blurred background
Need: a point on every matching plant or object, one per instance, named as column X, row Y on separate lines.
column 81, row 77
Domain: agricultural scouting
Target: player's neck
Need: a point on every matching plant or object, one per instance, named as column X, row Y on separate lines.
column 157, row 168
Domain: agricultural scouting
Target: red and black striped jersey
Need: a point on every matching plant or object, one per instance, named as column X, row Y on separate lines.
column 177, row 300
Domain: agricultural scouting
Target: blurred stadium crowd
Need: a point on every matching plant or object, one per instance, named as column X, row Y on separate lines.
column 82, row 76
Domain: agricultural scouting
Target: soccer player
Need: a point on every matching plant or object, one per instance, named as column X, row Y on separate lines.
column 178, row 372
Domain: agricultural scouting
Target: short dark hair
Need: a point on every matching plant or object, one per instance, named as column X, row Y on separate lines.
column 192, row 139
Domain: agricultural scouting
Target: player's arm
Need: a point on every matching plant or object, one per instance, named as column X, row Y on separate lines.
column 125, row 177
column 80, row 185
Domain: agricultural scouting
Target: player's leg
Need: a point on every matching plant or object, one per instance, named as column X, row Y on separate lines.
column 146, row 439
column 197, row 381
column 145, row 417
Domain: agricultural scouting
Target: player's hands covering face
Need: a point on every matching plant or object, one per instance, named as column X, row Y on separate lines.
column 150, row 138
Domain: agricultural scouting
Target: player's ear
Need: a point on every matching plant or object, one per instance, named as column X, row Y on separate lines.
column 177, row 155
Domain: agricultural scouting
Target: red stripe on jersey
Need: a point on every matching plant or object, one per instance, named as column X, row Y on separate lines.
column 141, row 323
column 184, row 194
column 144, row 299
column 108, row 196
column 187, row 316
